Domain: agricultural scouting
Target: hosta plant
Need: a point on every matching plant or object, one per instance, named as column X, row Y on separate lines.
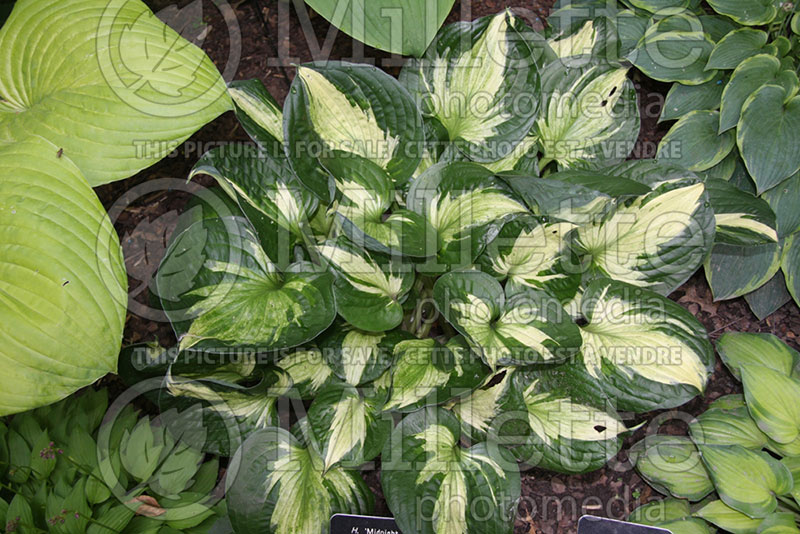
column 738, row 469
column 735, row 118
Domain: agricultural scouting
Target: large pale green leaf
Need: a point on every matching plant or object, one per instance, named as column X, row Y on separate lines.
column 793, row 463
column 693, row 142
column 107, row 82
column 733, row 271
column 726, row 518
column 739, row 349
column 790, row 265
column 403, row 27
column 643, row 350
column 62, row 279
column 682, row 99
column 742, row 219
column 338, row 106
column 734, row 426
column 736, row 47
column 480, row 82
column 434, row 486
column 747, row 12
column 671, row 514
column 590, row 114
column 672, row 465
column 359, row 357
column 773, row 400
column 277, row 485
column 746, row 480
column 522, row 328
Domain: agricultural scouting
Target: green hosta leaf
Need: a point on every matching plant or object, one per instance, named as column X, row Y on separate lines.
column 717, row 426
column 348, row 426
column 793, row 464
column 236, row 296
column 747, row 12
column 723, row 516
column 746, row 480
column 378, row 23
column 739, row 349
column 523, row 328
column 259, row 114
column 62, row 279
column 572, row 431
column 281, row 487
column 656, row 240
column 672, row 465
column 480, row 81
column 369, row 289
column 779, row 523
column 790, row 265
column 783, row 199
column 772, row 111
column 650, row 173
column 109, row 75
column 733, row 271
column 768, row 298
column 693, row 142
column 645, row 351
column 773, row 399
column 353, row 108
column 736, row 47
column 675, row 49
column 662, row 7
column 590, row 114
column 433, row 485
column 308, row 370
column 742, row 219
column 466, row 206
column 682, row 99
column 359, row 357
column 656, row 512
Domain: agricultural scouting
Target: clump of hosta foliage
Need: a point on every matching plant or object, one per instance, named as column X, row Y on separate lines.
column 733, row 67
column 740, row 468
column 70, row 468
column 389, row 252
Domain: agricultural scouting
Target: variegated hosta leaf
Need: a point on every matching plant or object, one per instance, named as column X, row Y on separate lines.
column 644, row 350
column 657, row 240
column 359, row 357
column 779, row 523
column 672, row 465
column 793, row 464
column 590, row 114
column 426, row 372
column 746, row 480
column 259, row 114
column 480, row 81
column 580, row 43
column 528, row 253
column 773, row 400
column 723, row 516
column 277, row 485
column 733, row 426
column 671, row 514
column 522, row 328
column 742, row 218
column 571, row 203
column 338, row 106
column 466, row 206
column 365, row 194
column 369, row 288
column 348, row 425
column 738, row 349
column 572, row 431
column 232, row 295
column 650, row 172
column 434, row 486
column 308, row 370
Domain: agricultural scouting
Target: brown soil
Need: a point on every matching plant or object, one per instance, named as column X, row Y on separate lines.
column 551, row 503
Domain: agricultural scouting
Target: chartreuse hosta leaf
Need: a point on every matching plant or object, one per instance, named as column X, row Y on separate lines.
column 109, row 75
column 358, row 357
column 773, row 399
column 522, row 328
column 338, row 106
column 672, row 465
column 236, row 296
column 693, row 142
column 727, row 426
column 480, row 81
column 62, row 278
column 571, row 430
column 590, row 114
column 747, row 481
column 793, row 464
column 278, row 485
column 671, row 514
column 644, row 350
column 779, row 523
column 723, row 516
column 742, row 219
column 258, row 113
column 308, row 370
column 745, row 12
column 466, row 206
column 364, row 194
column 738, row 349
column 434, row 486
column 656, row 240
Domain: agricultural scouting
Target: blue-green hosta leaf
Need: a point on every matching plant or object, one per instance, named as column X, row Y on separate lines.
column 561, row 200
column 739, row 349
column 480, row 81
column 675, row 49
column 790, row 265
column 648, row 172
column 783, row 199
column 466, row 205
column 773, row 400
column 747, row 481
column 747, row 12
column 768, row 298
column 717, row 426
column 742, row 219
column 308, row 370
column 736, row 47
column 369, row 289
column 276, row 485
column 590, row 114
column 109, row 75
column 693, row 142
column 338, row 106
column 656, row 240
column 236, row 296
column 434, row 486
column 682, row 99
column 348, row 426
column 571, row 430
column 733, row 271
column 645, row 351
column 62, row 279
column 258, row 113
column 359, row 357
column 522, row 328
column 672, row 465
column 723, row 516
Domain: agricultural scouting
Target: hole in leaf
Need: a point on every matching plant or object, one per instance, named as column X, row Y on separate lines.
column 600, row 428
